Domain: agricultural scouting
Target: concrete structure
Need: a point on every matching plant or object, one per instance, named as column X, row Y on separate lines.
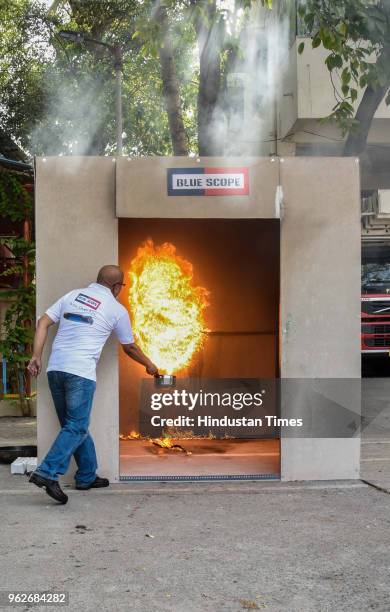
column 78, row 201
column 285, row 95
column 306, row 96
column 76, row 233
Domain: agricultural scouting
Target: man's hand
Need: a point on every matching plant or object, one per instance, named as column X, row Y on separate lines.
column 134, row 352
column 34, row 366
column 152, row 369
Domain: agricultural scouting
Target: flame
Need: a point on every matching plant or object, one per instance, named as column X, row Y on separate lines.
column 133, row 435
column 163, row 442
column 166, row 309
column 169, row 444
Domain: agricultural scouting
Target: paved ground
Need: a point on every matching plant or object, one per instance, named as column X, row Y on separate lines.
column 210, row 547
column 18, row 431
column 215, row 547
column 375, row 449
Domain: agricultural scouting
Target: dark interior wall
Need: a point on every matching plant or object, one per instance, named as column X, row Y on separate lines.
column 238, row 262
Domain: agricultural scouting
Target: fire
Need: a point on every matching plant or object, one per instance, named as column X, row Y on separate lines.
column 166, row 309
column 169, row 444
column 133, row 435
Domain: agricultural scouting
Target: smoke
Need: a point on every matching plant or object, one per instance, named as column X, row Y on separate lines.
column 79, row 112
column 75, row 117
column 248, row 126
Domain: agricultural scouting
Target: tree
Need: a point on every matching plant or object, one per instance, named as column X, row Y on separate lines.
column 217, row 41
column 210, row 32
column 17, row 282
column 57, row 97
column 168, row 31
column 158, row 38
column 357, row 35
column 22, row 67
column 169, row 78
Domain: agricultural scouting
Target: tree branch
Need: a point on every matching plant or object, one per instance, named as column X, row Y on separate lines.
column 170, row 83
column 357, row 138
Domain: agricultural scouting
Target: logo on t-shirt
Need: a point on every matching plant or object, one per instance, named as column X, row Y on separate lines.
column 78, row 318
column 88, row 301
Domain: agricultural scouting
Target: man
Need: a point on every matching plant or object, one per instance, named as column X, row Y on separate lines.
column 86, row 319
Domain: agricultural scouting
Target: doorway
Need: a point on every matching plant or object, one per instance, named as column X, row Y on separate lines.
column 237, row 263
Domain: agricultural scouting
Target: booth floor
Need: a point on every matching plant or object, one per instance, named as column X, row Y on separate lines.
column 200, row 457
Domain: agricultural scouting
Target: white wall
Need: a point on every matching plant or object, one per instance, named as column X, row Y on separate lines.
column 307, row 95
column 320, row 304
column 76, row 233
column 320, row 273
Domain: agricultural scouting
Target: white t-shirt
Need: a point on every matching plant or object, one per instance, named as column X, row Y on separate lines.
column 87, row 317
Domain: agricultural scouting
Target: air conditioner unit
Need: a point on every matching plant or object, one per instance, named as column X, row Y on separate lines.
column 383, row 203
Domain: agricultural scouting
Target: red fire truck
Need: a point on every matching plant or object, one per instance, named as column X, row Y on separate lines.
column 375, row 294
column 375, row 308
column 375, row 336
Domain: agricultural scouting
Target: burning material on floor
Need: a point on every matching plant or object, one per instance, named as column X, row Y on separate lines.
column 173, row 433
column 171, row 439
column 169, row 444
column 165, row 442
column 133, row 435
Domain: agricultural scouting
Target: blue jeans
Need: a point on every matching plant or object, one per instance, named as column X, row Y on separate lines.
column 72, row 397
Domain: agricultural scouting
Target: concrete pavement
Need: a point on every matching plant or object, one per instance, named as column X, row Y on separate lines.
column 375, row 439
column 211, row 547
column 18, row 431
column 201, row 547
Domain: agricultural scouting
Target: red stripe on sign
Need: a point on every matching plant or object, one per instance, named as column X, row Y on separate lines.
column 215, row 191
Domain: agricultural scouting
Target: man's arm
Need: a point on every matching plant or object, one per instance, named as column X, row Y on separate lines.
column 134, row 352
column 35, row 364
column 125, row 336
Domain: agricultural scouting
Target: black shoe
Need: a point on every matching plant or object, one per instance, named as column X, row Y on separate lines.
column 98, row 483
column 51, row 487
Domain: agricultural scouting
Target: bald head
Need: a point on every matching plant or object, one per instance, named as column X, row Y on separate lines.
column 109, row 275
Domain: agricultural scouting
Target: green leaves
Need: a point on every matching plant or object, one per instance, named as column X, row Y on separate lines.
column 316, row 41
column 346, row 76
column 16, row 332
column 345, row 80
column 334, row 61
column 357, row 34
column 354, row 94
column 15, row 201
column 301, row 47
column 343, row 29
